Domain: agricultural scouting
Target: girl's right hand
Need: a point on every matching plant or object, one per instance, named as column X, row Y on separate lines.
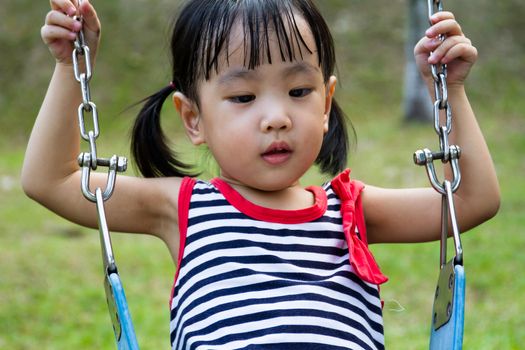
column 60, row 28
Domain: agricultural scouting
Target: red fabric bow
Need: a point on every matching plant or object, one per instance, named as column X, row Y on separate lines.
column 361, row 259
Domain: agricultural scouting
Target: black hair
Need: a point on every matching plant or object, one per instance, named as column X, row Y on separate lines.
column 199, row 38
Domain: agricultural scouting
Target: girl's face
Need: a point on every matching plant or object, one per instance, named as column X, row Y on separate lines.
column 264, row 126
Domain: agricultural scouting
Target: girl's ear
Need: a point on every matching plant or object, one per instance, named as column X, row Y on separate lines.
column 190, row 116
column 330, row 90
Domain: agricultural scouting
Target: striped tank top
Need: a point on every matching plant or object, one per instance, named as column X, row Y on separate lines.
column 251, row 277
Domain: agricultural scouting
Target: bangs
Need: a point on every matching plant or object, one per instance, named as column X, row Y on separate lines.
column 260, row 22
column 200, row 42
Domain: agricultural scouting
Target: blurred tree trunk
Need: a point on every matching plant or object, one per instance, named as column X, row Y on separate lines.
column 417, row 102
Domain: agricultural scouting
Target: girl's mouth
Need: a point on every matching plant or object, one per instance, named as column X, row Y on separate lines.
column 277, row 153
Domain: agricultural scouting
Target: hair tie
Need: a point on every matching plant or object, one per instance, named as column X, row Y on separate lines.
column 172, row 85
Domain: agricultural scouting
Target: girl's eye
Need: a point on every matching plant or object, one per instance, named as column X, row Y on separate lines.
column 242, row 99
column 300, row 92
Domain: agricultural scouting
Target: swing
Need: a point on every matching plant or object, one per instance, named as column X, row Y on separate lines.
column 446, row 331
column 447, row 321
column 116, row 299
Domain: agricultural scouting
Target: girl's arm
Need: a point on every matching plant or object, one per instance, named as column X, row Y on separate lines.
column 414, row 215
column 51, row 174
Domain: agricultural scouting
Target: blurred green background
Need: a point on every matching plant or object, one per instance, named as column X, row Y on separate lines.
column 51, row 293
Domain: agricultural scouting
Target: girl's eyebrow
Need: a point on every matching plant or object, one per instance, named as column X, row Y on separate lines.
column 237, row 74
column 249, row 74
column 300, row 68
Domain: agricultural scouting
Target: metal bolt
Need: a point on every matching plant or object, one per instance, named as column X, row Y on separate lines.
column 420, row 157
column 122, row 164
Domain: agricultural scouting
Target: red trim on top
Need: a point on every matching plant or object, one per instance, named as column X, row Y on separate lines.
column 360, row 215
column 361, row 258
column 185, row 190
column 274, row 215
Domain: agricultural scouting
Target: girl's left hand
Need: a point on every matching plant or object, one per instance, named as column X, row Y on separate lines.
column 456, row 51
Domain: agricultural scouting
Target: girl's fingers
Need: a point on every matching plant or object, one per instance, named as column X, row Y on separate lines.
column 59, row 26
column 71, row 8
column 447, row 26
column 57, row 18
column 444, row 52
column 463, row 50
column 66, row 6
column 53, row 33
column 455, row 44
column 90, row 17
column 442, row 15
column 456, row 51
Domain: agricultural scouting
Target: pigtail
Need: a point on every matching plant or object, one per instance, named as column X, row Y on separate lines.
column 332, row 158
column 149, row 145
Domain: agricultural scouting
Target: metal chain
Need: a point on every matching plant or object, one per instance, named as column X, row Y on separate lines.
column 448, row 154
column 89, row 161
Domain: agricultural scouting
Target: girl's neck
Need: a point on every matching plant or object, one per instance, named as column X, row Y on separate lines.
column 293, row 197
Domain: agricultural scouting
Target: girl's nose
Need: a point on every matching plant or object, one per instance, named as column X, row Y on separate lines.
column 275, row 120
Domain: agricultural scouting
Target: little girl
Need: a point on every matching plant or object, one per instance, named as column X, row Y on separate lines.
column 262, row 260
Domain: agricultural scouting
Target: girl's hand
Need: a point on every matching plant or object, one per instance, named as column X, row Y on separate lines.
column 60, row 28
column 456, row 51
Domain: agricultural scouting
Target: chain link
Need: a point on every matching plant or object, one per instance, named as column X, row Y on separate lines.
column 448, row 154
column 83, row 72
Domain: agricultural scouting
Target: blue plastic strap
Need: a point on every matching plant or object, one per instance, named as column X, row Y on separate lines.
column 450, row 335
column 120, row 315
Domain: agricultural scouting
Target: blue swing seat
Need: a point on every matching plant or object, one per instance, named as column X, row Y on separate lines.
column 449, row 335
column 119, row 312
